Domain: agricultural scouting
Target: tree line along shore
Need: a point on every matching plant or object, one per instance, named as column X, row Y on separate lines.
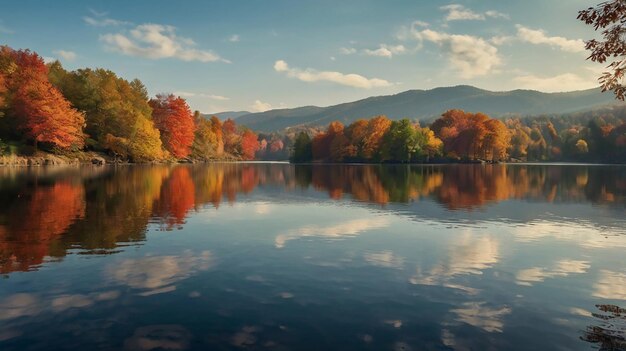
column 49, row 115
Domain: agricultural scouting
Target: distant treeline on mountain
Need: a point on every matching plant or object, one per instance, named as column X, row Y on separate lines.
column 427, row 105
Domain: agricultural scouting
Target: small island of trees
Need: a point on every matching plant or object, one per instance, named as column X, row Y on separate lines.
column 459, row 136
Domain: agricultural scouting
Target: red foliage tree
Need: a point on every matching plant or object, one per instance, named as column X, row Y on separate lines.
column 42, row 112
column 173, row 118
column 249, row 145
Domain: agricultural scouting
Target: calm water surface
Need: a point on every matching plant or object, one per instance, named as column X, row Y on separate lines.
column 283, row 257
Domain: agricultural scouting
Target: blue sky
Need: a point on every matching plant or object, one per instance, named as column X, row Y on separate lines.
column 260, row 54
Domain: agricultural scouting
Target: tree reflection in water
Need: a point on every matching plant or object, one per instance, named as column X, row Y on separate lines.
column 46, row 212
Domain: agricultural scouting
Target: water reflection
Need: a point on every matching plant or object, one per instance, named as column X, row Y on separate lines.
column 158, row 274
column 262, row 256
column 47, row 212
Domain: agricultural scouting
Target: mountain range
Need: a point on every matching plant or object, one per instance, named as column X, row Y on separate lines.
column 426, row 105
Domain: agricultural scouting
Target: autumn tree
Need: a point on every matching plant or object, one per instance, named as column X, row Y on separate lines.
column 356, row 133
column 497, row 140
column 205, row 143
column 145, row 141
column 431, row 146
column 610, row 17
column 216, row 127
column 249, row 144
column 39, row 109
column 232, row 139
column 116, row 110
column 520, row 139
column 174, row 120
column 338, row 142
column 376, row 129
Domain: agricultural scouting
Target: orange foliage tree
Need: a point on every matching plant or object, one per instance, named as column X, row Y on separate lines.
column 173, row 118
column 472, row 135
column 331, row 145
column 376, row 129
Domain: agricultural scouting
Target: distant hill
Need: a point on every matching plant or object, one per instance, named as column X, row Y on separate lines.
column 227, row 114
column 428, row 104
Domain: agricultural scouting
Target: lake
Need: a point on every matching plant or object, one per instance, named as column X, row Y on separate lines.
column 271, row 256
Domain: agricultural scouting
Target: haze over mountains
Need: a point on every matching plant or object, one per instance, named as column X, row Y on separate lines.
column 428, row 104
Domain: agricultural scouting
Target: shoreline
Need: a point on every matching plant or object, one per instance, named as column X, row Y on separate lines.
column 43, row 159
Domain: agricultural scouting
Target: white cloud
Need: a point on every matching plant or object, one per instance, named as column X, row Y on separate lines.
column 458, row 12
column 386, row 51
column 583, row 235
column 538, row 36
column 188, row 94
column 340, row 230
column 260, row 106
column 347, row 51
column 611, row 285
column 311, row 75
column 64, row 54
column 234, row 38
column 562, row 82
column 408, row 32
column 26, row 304
column 562, row 268
column 158, row 274
column 155, row 41
column 470, row 253
column 500, row 39
column 471, row 56
column 483, row 317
